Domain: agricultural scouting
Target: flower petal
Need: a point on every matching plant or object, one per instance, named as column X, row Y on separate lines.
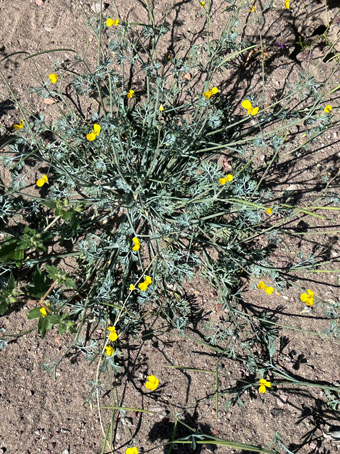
column 19, row 125
column 40, row 182
column 246, row 104
column 91, row 136
column 143, row 286
column 53, row 78
column 109, row 350
column 269, row 290
column 96, row 129
column 304, row 297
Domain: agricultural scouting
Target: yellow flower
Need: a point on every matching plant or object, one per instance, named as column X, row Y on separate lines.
column 91, row 136
column 202, row 4
column 113, row 336
column 109, row 22
column 152, row 383
column 328, row 108
column 133, row 450
column 287, row 4
column 263, row 385
column 136, row 242
column 143, row 286
column 96, row 129
column 208, row 94
column 269, row 290
column 109, row 350
column 43, row 311
column 261, row 285
column 252, row 9
column 130, row 94
column 19, row 125
column 132, row 287
column 53, row 78
column 161, row 108
column 226, row 179
column 269, row 211
column 42, row 181
column 308, row 297
column 246, row 104
column 94, row 133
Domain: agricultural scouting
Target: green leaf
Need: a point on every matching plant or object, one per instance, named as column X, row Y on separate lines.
column 43, row 326
column 11, row 284
column 40, row 284
column 46, row 324
column 69, row 283
column 74, row 223
column 67, row 326
column 10, row 252
column 4, row 305
column 50, row 204
column 53, row 319
column 53, row 272
column 62, row 328
column 8, row 294
column 34, row 313
column 67, row 215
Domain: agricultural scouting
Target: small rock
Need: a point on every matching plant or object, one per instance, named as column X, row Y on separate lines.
column 66, row 451
column 292, row 187
column 284, row 398
column 276, row 412
column 49, row 101
column 96, row 7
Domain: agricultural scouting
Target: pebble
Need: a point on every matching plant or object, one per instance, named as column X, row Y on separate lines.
column 292, row 187
column 96, row 7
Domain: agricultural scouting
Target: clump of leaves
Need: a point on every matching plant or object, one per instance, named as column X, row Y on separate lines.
column 168, row 161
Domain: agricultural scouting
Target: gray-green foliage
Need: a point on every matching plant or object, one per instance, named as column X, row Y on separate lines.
column 150, row 173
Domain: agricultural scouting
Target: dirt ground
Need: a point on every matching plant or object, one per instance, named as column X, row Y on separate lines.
column 40, row 413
